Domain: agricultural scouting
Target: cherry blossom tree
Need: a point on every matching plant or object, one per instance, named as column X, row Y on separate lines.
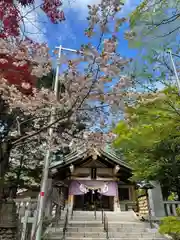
column 19, row 62
column 11, row 18
column 91, row 84
column 13, row 28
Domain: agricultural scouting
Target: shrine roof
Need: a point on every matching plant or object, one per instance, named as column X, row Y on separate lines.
column 81, row 153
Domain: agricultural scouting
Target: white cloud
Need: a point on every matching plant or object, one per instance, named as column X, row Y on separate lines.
column 33, row 23
column 79, row 6
column 34, row 20
column 129, row 6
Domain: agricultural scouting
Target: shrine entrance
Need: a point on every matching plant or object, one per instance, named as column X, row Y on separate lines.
column 93, row 200
column 89, row 195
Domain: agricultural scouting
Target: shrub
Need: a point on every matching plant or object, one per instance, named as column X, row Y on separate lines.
column 171, row 226
column 178, row 211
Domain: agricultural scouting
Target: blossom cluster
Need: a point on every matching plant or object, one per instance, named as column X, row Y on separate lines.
column 22, row 62
column 11, row 18
column 91, row 83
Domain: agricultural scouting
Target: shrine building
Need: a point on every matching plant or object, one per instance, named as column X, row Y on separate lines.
column 94, row 179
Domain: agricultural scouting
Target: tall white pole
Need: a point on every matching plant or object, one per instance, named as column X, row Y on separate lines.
column 175, row 71
column 47, row 157
column 43, row 192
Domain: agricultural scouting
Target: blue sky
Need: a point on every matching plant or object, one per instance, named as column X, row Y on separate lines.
column 70, row 33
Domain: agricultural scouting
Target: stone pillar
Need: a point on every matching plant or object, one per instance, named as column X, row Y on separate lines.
column 8, row 221
column 156, row 200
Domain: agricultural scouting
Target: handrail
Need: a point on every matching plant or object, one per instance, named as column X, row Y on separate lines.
column 72, row 211
column 58, row 214
column 65, row 223
column 95, row 216
column 102, row 215
column 106, row 225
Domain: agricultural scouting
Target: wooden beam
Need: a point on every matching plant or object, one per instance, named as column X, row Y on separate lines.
column 71, row 167
column 116, row 169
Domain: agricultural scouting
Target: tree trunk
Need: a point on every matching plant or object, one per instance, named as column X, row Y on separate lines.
column 8, row 221
column 5, row 148
column 178, row 194
column 165, row 192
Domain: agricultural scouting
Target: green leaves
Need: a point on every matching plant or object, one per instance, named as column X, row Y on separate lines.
column 171, row 226
column 149, row 137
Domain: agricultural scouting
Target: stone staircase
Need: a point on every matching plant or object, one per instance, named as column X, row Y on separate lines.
column 122, row 226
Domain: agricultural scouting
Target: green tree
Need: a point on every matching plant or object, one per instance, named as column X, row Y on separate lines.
column 154, row 28
column 150, row 138
column 154, row 22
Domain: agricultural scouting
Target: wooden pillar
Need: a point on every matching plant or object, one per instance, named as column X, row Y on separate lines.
column 70, row 201
column 133, row 193
column 116, row 202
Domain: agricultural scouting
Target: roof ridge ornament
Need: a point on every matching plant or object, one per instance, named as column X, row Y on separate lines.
column 95, row 154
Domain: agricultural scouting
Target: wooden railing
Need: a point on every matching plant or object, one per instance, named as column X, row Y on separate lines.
column 170, row 207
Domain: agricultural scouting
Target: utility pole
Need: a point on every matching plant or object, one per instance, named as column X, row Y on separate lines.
column 47, row 159
column 41, row 200
column 43, row 193
column 175, row 71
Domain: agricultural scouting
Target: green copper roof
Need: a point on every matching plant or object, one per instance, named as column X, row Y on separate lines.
column 78, row 154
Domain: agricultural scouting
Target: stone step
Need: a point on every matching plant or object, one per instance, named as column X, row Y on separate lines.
column 111, row 234
column 90, row 224
column 101, row 234
column 85, row 222
column 74, row 238
column 99, row 215
column 114, row 223
column 132, row 218
column 98, row 229
column 99, row 211
column 125, row 219
column 121, row 231
column 134, row 235
column 85, row 217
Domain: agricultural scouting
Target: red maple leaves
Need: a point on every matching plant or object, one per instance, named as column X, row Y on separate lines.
column 10, row 21
column 17, row 74
column 51, row 8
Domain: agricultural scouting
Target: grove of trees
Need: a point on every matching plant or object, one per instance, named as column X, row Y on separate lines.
column 95, row 83
column 86, row 94
column 148, row 136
